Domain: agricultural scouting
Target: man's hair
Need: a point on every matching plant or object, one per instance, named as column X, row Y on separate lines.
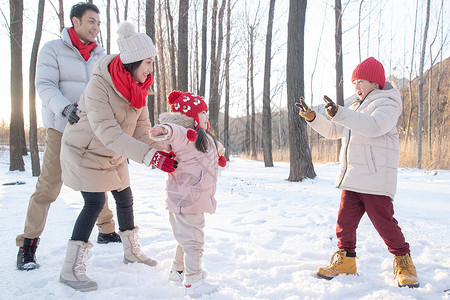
column 80, row 8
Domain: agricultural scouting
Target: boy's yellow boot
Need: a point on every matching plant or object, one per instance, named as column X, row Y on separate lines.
column 345, row 263
column 405, row 271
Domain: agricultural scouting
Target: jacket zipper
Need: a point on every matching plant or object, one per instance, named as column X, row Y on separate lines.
column 346, row 151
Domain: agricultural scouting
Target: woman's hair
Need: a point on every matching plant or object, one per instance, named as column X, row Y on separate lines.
column 202, row 142
column 132, row 66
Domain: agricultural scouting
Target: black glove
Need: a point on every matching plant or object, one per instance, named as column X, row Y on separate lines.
column 330, row 106
column 70, row 111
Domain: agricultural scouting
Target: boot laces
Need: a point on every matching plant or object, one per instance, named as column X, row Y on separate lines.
column 401, row 264
column 339, row 259
column 80, row 267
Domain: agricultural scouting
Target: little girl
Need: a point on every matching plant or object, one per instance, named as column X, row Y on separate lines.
column 191, row 189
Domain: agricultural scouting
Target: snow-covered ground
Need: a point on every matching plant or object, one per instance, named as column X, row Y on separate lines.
column 265, row 241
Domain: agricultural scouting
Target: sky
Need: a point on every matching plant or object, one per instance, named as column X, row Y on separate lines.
column 393, row 46
column 265, row 241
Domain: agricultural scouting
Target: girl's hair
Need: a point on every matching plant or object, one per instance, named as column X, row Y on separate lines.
column 132, row 66
column 201, row 143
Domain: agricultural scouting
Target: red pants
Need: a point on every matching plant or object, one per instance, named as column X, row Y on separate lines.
column 379, row 210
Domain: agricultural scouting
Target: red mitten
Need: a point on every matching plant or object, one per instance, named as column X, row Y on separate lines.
column 222, row 161
column 164, row 161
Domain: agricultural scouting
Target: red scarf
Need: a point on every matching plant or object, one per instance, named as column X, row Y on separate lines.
column 134, row 92
column 85, row 50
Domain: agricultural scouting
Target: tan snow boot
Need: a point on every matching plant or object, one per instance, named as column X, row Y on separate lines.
column 73, row 272
column 343, row 264
column 405, row 271
column 132, row 250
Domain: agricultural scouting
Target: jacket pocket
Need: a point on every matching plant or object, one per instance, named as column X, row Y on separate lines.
column 370, row 158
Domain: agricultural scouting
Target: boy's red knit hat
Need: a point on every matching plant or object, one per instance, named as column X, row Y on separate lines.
column 188, row 104
column 370, row 69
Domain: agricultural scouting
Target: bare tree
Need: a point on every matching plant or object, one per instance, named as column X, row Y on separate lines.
column 301, row 165
column 59, row 13
column 267, row 112
column 34, row 150
column 108, row 26
column 411, row 106
column 216, row 54
column 420, row 109
column 150, row 31
column 201, row 91
column 17, row 146
column 252, row 96
column 172, row 46
column 339, row 67
column 226, row 117
column 160, row 66
column 125, row 12
column 183, row 51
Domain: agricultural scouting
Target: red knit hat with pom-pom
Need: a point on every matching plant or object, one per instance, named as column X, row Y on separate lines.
column 370, row 69
column 188, row 104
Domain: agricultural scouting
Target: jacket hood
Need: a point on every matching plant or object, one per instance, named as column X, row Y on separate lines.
column 177, row 118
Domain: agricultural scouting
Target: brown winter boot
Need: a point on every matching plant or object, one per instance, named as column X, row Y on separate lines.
column 405, row 271
column 132, row 250
column 73, row 272
column 344, row 264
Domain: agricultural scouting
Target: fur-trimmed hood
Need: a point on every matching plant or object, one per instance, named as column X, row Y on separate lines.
column 177, row 118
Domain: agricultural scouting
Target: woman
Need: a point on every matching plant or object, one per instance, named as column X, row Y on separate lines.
column 113, row 126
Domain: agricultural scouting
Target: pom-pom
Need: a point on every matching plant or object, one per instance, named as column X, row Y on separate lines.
column 222, row 161
column 191, row 135
column 173, row 96
column 125, row 30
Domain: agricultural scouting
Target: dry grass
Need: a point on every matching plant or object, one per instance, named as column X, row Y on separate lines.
column 436, row 159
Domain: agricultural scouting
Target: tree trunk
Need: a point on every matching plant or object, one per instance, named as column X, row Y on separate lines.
column 252, row 96
column 17, row 133
column 216, row 53
column 301, row 165
column 161, row 67
column 411, row 106
column 183, row 51
column 108, row 26
column 339, row 68
column 267, row 112
column 172, row 47
column 34, row 150
column 420, row 109
column 202, row 89
column 226, row 124
column 150, row 31
column 117, row 13
column 125, row 13
column 61, row 15
column 247, row 103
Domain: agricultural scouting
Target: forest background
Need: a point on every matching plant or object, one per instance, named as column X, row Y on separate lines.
column 241, row 56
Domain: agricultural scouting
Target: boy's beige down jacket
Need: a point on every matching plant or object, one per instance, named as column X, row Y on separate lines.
column 369, row 154
column 94, row 151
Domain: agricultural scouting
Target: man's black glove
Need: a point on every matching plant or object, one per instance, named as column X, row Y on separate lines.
column 330, row 106
column 70, row 111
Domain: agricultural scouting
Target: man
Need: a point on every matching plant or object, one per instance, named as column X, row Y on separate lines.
column 64, row 68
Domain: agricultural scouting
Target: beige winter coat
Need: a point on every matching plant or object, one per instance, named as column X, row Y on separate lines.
column 94, row 151
column 370, row 148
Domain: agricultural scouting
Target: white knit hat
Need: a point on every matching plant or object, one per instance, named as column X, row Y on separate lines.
column 134, row 46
